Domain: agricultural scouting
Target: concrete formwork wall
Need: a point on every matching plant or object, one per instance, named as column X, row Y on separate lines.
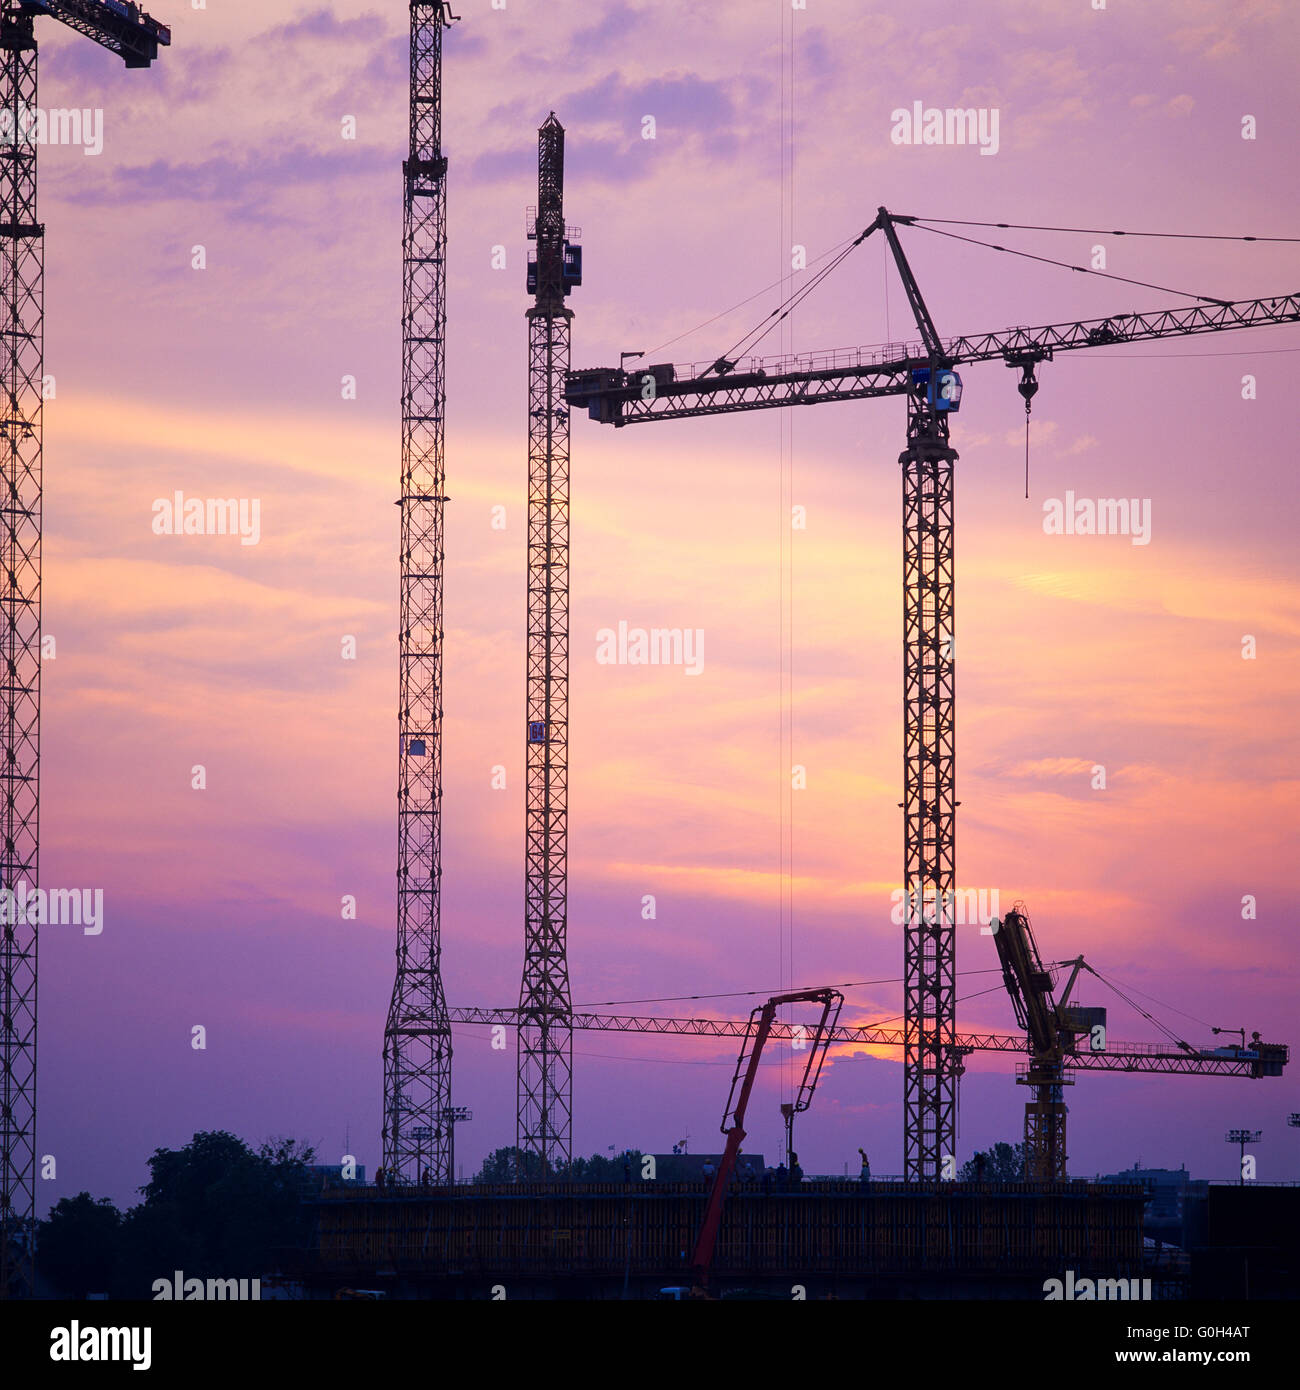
column 650, row 1229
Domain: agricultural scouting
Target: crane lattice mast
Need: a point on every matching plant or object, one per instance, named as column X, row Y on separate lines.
column 931, row 1066
column 544, row 1114
column 135, row 37
column 417, row 1037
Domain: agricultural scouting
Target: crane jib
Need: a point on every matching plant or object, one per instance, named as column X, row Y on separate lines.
column 613, row 395
column 118, row 25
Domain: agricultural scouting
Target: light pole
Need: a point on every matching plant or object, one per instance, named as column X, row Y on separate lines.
column 453, row 1115
column 1242, row 1137
column 421, row 1134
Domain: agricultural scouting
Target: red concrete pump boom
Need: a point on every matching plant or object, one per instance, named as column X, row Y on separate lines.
column 761, row 1020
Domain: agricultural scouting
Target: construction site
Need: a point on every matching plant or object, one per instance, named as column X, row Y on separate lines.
column 926, row 1235
column 417, row 1232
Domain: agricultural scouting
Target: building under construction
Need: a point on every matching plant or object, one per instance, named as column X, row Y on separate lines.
column 831, row 1239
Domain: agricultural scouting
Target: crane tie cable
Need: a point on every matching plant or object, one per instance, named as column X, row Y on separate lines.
column 1101, row 231
column 741, row 304
column 1164, row 1004
column 763, row 993
column 787, row 307
column 1065, row 265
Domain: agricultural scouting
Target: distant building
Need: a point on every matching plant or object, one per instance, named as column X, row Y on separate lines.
column 1166, row 1188
column 325, row 1175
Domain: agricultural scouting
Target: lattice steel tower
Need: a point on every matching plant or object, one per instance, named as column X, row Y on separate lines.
column 544, row 1124
column 931, row 1065
column 417, row 1037
column 136, row 39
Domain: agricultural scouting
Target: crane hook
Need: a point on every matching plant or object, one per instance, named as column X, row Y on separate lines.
column 1028, row 388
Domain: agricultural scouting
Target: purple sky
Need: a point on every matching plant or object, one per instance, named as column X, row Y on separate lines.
column 223, row 906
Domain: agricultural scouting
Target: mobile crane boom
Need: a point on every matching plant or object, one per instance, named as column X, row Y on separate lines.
column 1049, row 1038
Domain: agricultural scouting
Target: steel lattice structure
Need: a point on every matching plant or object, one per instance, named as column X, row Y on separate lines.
column 22, row 277
column 617, row 397
column 417, row 1036
column 544, row 1097
column 930, row 1067
column 22, row 282
column 21, row 361
column 1117, row 1056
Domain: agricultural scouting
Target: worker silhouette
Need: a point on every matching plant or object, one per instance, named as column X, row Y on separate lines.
column 796, row 1173
column 864, row 1176
column 782, row 1178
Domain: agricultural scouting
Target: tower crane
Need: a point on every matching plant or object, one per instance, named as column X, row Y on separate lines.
column 1053, row 1028
column 926, row 376
column 419, row 1121
column 136, row 38
column 544, row 1098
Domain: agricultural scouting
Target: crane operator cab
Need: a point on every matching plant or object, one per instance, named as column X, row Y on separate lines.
column 570, row 273
column 943, row 392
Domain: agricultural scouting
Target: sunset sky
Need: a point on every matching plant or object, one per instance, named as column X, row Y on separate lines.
column 222, row 906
